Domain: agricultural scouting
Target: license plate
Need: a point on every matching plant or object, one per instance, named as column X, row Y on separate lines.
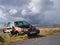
column 32, row 32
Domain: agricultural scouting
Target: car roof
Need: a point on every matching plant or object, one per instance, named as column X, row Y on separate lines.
column 17, row 21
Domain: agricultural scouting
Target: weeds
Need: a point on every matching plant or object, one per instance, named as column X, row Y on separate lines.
column 7, row 39
column 50, row 32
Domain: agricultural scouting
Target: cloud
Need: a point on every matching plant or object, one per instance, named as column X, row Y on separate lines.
column 23, row 12
column 35, row 10
column 52, row 16
column 39, row 6
column 1, row 14
column 3, row 18
column 13, row 11
column 32, row 8
column 1, row 6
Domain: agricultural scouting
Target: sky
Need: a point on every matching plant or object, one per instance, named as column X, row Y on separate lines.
column 38, row 12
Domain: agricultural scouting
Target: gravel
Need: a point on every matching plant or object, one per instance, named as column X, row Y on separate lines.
column 50, row 40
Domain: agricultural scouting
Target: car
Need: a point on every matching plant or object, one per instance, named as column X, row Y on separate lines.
column 18, row 27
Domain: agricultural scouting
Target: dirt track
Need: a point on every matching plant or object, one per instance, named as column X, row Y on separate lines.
column 51, row 40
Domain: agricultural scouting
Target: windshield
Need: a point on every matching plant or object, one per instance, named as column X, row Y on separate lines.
column 21, row 23
column 18, row 23
column 25, row 23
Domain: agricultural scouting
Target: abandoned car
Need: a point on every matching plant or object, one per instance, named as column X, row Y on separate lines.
column 21, row 27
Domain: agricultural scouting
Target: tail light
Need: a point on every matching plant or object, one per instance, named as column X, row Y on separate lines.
column 30, row 30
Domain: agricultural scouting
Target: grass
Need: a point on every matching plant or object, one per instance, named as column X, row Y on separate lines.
column 7, row 39
column 50, row 32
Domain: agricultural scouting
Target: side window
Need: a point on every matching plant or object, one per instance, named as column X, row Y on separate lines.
column 26, row 23
column 10, row 24
column 20, row 24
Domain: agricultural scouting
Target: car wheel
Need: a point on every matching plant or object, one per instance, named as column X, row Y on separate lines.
column 38, row 31
column 28, row 34
column 16, row 32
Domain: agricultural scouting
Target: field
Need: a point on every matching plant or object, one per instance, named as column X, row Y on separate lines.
column 49, row 31
column 7, row 39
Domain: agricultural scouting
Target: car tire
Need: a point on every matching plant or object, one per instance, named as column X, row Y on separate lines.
column 28, row 34
column 16, row 32
column 38, row 31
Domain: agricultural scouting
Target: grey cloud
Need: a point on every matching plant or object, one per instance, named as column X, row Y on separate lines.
column 53, row 17
column 47, row 5
column 41, row 18
column 13, row 2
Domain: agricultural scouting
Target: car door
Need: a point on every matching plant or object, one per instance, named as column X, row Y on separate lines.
column 26, row 24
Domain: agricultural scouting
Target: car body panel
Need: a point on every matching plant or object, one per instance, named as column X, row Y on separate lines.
column 19, row 29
